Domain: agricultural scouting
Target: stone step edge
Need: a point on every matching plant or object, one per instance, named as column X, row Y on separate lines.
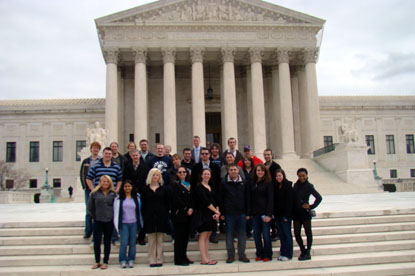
column 6, row 232
column 249, row 251
column 404, row 268
column 314, row 236
column 323, row 215
column 316, row 262
column 168, row 248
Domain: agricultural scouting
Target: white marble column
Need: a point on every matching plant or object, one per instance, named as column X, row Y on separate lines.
column 296, row 111
column 275, row 116
column 309, row 105
column 249, row 105
column 311, row 57
column 305, row 110
column 230, row 123
column 111, row 97
column 198, row 95
column 286, row 128
column 169, row 98
column 140, row 95
column 258, row 104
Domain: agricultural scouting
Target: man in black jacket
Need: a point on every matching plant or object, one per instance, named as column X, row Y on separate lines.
column 271, row 164
column 234, row 205
column 136, row 171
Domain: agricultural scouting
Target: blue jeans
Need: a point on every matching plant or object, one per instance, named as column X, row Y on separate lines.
column 128, row 232
column 238, row 223
column 88, row 219
column 286, row 238
column 261, row 232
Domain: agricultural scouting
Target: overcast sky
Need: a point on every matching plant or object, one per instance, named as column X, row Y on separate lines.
column 50, row 49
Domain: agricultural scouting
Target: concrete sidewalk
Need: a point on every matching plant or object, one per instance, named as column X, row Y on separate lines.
column 330, row 204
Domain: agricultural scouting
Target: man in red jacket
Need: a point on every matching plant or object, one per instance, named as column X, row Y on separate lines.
column 248, row 154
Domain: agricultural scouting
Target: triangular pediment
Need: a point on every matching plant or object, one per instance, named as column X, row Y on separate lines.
column 209, row 11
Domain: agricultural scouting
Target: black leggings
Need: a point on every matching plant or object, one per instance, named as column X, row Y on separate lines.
column 100, row 228
column 307, row 229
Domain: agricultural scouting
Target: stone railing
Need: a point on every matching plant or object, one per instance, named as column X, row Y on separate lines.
column 324, row 150
column 16, row 197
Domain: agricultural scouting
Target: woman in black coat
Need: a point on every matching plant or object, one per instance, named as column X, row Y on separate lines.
column 155, row 215
column 301, row 212
column 262, row 204
column 182, row 210
column 283, row 205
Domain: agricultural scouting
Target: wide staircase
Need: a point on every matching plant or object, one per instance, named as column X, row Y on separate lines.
column 326, row 182
column 378, row 242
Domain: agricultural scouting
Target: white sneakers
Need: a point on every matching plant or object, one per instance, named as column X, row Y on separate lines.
column 283, row 259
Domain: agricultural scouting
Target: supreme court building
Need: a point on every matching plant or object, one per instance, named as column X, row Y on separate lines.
column 216, row 69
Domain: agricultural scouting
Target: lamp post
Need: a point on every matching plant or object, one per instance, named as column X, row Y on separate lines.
column 375, row 172
column 45, row 190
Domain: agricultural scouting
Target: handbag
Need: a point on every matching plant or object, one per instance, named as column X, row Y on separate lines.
column 312, row 213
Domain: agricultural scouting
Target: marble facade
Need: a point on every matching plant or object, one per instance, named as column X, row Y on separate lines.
column 258, row 59
column 158, row 56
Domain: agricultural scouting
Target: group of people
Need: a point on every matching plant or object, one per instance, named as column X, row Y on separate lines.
column 146, row 194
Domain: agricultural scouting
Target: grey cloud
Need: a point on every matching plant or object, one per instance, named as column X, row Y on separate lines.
column 394, row 65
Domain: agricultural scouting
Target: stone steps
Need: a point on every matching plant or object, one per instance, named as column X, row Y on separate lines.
column 359, row 242
column 321, row 249
column 318, row 239
column 38, row 255
column 374, row 263
column 76, row 228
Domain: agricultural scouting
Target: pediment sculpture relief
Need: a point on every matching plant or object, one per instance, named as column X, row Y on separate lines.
column 212, row 11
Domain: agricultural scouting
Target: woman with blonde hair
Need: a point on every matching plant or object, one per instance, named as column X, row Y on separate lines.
column 155, row 215
column 100, row 207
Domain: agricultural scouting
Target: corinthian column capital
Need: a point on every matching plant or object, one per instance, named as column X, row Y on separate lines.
column 197, row 54
column 311, row 55
column 228, row 54
column 140, row 55
column 168, row 54
column 282, row 55
column 111, row 55
column 256, row 54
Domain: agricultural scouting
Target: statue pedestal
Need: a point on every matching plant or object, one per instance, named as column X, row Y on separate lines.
column 45, row 195
column 352, row 164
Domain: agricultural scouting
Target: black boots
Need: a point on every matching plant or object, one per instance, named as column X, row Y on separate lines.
column 305, row 255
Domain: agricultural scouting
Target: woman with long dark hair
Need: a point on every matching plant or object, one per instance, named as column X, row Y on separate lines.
column 127, row 221
column 301, row 212
column 182, row 211
column 100, row 207
column 262, row 204
column 283, row 205
column 248, row 168
column 206, row 215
